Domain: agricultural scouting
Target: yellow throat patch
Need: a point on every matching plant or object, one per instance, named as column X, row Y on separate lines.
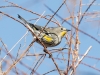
column 63, row 33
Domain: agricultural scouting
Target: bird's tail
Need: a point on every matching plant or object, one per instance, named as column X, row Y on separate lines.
column 22, row 19
column 30, row 24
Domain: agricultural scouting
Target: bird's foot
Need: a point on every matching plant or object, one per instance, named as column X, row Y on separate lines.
column 48, row 52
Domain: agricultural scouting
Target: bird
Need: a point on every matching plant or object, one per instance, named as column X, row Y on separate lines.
column 50, row 36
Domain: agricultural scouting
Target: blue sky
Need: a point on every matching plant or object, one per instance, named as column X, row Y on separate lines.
column 11, row 31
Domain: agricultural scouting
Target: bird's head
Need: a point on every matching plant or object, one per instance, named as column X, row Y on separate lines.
column 62, row 31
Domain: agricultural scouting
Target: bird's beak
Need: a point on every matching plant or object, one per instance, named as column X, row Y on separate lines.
column 66, row 29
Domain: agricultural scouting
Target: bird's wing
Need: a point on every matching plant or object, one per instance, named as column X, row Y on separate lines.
column 50, row 30
column 37, row 27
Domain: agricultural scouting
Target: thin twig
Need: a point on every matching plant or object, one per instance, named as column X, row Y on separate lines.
column 55, row 12
column 86, row 11
column 13, row 47
column 40, row 62
column 81, row 63
column 81, row 59
column 21, row 56
column 50, row 71
column 56, row 65
column 8, row 54
column 33, row 70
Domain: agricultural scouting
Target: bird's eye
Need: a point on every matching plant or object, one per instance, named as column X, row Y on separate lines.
column 61, row 28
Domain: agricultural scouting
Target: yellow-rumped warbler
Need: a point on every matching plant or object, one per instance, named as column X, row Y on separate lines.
column 50, row 36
